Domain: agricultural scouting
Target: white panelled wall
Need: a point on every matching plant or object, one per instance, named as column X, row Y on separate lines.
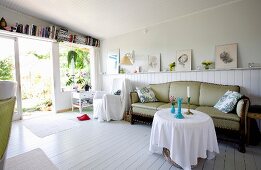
column 249, row 80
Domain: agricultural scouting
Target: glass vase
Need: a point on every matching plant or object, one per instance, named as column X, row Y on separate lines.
column 179, row 114
column 206, row 67
column 172, row 110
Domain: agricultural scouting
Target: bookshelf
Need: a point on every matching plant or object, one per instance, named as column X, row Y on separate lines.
column 48, row 33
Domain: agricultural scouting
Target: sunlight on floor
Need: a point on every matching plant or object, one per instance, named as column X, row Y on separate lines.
column 36, row 114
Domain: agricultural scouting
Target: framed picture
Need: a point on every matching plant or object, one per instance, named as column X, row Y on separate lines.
column 113, row 62
column 183, row 60
column 153, row 63
column 226, row 56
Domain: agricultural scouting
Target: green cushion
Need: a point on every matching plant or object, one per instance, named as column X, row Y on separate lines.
column 6, row 114
column 179, row 89
column 220, row 119
column 211, row 93
column 161, row 91
column 143, row 111
column 151, row 105
column 134, row 97
column 168, row 105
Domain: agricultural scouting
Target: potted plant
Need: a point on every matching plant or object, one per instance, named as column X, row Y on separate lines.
column 79, row 66
column 172, row 66
column 72, row 55
column 206, row 64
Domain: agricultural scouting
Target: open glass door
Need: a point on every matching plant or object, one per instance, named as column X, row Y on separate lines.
column 35, row 77
column 9, row 68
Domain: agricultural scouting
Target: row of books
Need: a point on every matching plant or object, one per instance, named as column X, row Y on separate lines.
column 39, row 31
column 64, row 35
column 53, row 32
column 92, row 41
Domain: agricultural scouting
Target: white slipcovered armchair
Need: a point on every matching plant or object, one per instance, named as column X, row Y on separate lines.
column 108, row 106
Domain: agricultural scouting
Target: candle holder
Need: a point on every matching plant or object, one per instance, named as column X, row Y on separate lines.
column 189, row 112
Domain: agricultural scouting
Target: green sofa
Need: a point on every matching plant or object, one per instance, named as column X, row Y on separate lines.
column 203, row 97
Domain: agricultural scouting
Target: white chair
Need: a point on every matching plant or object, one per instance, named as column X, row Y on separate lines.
column 107, row 106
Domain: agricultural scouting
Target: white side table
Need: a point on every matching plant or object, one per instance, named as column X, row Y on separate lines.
column 82, row 99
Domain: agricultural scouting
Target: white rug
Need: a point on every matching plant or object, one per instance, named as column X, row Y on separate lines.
column 48, row 125
column 32, row 160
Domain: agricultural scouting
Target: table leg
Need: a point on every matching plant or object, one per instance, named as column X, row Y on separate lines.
column 166, row 155
column 80, row 106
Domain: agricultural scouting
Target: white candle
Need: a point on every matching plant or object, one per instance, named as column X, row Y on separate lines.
column 188, row 91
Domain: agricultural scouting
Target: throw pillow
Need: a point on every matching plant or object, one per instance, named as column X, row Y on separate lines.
column 228, row 101
column 220, row 102
column 146, row 95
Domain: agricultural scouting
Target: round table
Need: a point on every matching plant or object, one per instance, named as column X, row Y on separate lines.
column 186, row 139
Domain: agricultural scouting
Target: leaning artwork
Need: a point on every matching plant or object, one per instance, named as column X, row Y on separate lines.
column 183, row 60
column 153, row 63
column 226, row 56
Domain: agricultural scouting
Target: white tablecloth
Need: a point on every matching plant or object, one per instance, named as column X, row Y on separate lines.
column 187, row 139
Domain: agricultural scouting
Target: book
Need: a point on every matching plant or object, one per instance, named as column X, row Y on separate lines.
column 26, row 29
column 34, row 30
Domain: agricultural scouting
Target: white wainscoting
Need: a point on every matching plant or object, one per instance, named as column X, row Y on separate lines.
column 249, row 80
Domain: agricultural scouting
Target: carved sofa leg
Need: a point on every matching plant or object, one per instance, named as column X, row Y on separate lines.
column 242, row 143
column 243, row 123
column 242, row 148
column 132, row 120
column 131, row 116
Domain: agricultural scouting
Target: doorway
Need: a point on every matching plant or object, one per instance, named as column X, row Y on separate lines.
column 35, row 77
column 8, row 68
column 29, row 63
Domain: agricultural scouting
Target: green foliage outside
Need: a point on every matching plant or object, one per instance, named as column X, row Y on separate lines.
column 81, row 59
column 45, row 105
column 39, row 56
column 36, row 86
column 6, row 69
column 40, row 93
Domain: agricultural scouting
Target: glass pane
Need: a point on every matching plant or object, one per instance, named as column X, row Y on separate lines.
column 74, row 74
column 36, row 75
column 7, row 61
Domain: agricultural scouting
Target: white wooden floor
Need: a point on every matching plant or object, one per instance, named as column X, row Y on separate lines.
column 116, row 145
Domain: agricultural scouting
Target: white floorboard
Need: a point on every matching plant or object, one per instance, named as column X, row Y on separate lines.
column 116, row 145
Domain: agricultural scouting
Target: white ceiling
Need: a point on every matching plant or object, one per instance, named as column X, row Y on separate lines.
column 109, row 18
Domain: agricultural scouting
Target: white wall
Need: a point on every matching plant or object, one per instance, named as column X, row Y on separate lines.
column 238, row 22
column 62, row 99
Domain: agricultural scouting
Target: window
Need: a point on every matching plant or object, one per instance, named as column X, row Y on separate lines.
column 74, row 66
column 7, row 59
